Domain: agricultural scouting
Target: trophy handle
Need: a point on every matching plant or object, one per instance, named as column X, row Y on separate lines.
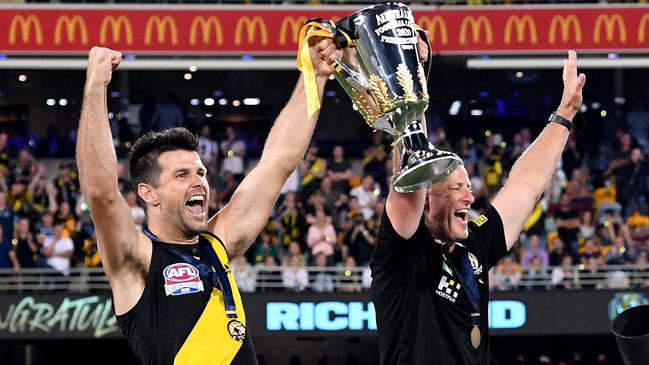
column 427, row 63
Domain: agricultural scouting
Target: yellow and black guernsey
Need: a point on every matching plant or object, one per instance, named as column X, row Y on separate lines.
column 181, row 317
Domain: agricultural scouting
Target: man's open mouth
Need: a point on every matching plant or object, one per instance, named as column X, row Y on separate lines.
column 196, row 204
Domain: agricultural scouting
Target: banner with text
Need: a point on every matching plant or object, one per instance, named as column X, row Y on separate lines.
column 289, row 315
column 273, row 30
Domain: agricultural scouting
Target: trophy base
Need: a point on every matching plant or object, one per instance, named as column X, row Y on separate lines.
column 422, row 172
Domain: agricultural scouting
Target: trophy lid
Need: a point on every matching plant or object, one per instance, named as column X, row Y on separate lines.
column 349, row 23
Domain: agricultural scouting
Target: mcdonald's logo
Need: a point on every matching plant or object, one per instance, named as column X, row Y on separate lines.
column 292, row 24
column 70, row 24
column 609, row 23
column 519, row 25
column 564, row 23
column 161, row 26
column 25, row 25
column 432, row 25
column 206, row 25
column 476, row 29
column 116, row 25
column 641, row 27
column 251, row 26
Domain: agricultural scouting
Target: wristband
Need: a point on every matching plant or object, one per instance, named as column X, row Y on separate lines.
column 554, row 117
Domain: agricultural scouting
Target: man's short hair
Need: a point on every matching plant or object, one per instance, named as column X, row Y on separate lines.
column 143, row 158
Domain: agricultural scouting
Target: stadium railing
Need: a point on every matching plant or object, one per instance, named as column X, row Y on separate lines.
column 82, row 280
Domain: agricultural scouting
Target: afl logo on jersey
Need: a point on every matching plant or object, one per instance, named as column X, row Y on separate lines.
column 181, row 278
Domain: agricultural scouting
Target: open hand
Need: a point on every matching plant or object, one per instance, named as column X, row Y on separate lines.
column 101, row 63
column 573, row 85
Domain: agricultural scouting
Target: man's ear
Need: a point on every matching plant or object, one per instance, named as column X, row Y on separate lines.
column 148, row 193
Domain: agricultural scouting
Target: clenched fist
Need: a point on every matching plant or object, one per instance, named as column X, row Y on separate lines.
column 323, row 53
column 101, row 63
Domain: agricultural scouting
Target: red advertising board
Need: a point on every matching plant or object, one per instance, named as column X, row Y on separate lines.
column 272, row 30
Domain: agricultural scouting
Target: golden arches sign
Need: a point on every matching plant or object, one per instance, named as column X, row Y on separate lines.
column 476, row 25
column 25, row 24
column 432, row 25
column 519, row 25
column 116, row 25
column 564, row 24
column 70, row 24
column 206, row 26
column 161, row 25
column 609, row 23
column 251, row 26
column 292, row 24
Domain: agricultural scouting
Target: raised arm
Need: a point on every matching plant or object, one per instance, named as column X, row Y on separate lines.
column 97, row 163
column 241, row 220
column 533, row 170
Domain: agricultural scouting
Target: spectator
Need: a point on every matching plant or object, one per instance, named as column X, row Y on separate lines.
column 269, row 276
column 587, row 225
column 25, row 253
column 640, row 276
column 294, row 250
column 349, row 280
column 360, row 241
column 566, row 276
column 567, row 221
column 321, row 236
column 329, row 196
column 557, row 250
column 312, row 169
column 618, row 254
column 244, row 274
column 339, row 170
column 264, row 248
column 294, row 276
column 535, row 250
column 58, row 250
column 67, row 189
column 46, row 225
column 323, row 279
column 291, row 219
column 137, row 212
column 234, row 151
column 208, row 147
column 6, row 217
column 591, row 274
column 591, row 249
column 168, row 114
column 230, row 184
column 632, row 185
column 375, row 159
column 5, row 248
column 22, row 171
column 91, row 256
column 508, row 274
column 366, row 196
column 537, row 276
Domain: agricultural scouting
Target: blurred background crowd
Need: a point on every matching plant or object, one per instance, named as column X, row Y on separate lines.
column 589, row 230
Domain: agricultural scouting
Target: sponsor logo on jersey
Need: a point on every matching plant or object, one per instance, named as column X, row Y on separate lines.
column 448, row 289
column 475, row 265
column 480, row 220
column 181, row 278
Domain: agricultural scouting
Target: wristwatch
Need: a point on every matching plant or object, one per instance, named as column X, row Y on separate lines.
column 554, row 117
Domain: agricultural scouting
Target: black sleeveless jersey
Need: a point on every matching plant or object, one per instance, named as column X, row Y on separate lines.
column 181, row 318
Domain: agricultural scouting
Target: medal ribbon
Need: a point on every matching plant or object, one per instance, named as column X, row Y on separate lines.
column 304, row 64
column 215, row 274
column 470, row 286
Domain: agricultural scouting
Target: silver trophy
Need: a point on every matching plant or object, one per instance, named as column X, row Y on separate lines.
column 381, row 72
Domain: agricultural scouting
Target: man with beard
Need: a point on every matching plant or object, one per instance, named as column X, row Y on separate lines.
column 430, row 283
column 174, row 295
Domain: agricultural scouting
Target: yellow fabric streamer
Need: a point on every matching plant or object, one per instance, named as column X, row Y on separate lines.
column 304, row 64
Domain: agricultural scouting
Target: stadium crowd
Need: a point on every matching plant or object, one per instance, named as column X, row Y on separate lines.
column 591, row 216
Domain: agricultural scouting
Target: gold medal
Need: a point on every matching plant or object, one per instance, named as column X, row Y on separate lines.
column 475, row 337
column 237, row 330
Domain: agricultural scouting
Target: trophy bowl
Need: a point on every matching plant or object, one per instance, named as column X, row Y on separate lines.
column 381, row 71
